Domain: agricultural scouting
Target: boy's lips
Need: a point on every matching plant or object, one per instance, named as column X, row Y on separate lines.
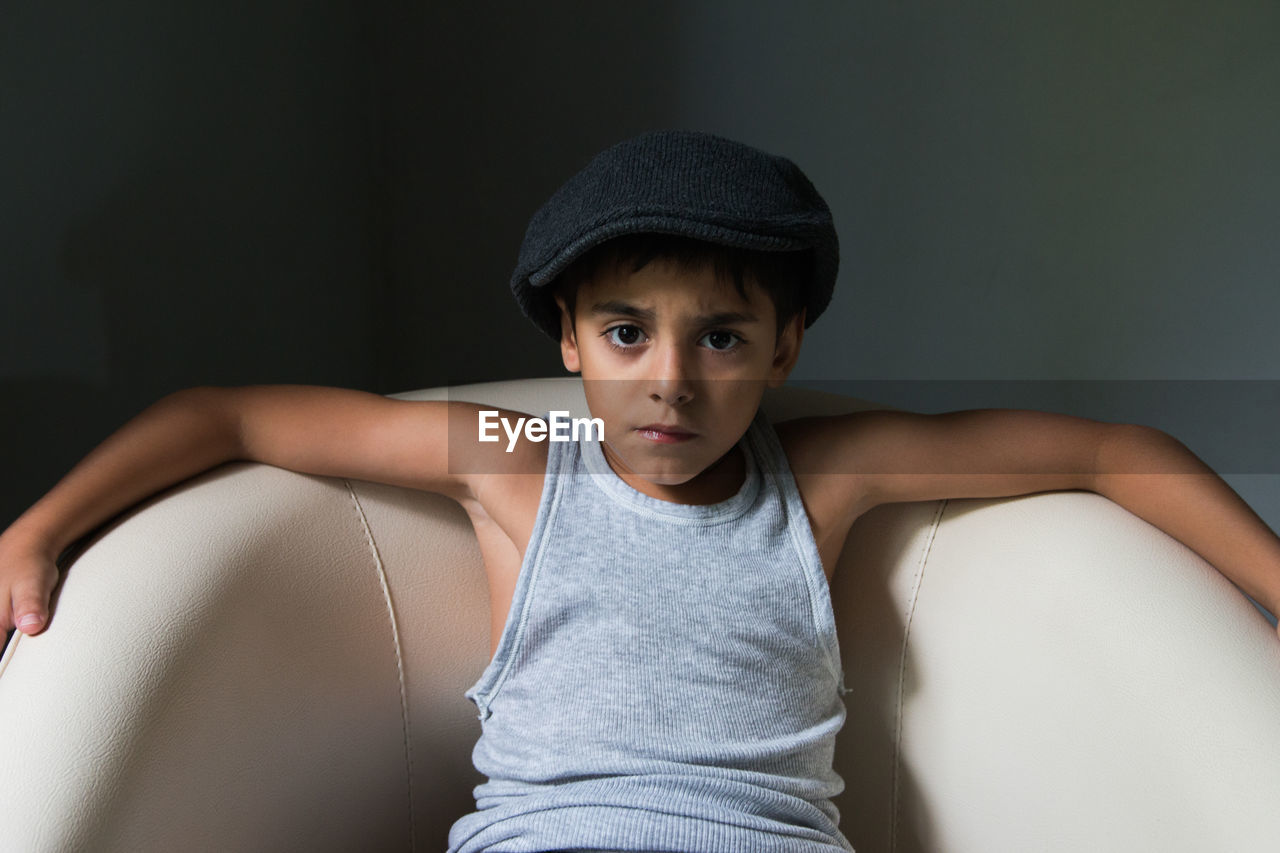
column 665, row 433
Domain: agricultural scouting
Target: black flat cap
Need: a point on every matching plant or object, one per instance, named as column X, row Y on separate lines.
column 684, row 183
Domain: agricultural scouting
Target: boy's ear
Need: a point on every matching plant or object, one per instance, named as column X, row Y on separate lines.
column 568, row 340
column 786, row 350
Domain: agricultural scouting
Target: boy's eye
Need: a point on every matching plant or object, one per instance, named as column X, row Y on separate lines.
column 721, row 341
column 624, row 336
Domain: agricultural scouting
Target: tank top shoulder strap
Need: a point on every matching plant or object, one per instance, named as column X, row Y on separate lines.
column 776, row 470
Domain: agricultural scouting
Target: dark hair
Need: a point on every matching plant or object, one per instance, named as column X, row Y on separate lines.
column 781, row 274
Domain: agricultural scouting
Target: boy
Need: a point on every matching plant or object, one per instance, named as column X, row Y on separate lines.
column 665, row 674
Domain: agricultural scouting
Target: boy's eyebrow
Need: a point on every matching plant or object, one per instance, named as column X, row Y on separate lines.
column 720, row 318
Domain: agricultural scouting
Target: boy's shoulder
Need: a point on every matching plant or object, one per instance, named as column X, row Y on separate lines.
column 497, row 441
column 819, row 449
column 442, row 446
column 845, row 464
column 817, row 452
column 810, row 441
column 836, row 443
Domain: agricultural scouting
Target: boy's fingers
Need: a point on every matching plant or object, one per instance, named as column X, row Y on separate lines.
column 31, row 607
column 28, row 618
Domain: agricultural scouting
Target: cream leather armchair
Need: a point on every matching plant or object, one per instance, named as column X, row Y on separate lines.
column 260, row 660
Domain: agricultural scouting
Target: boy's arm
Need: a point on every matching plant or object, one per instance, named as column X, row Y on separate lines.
column 326, row 431
column 1157, row 478
column 901, row 456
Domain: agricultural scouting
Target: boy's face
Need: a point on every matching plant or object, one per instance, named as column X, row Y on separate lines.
column 678, row 350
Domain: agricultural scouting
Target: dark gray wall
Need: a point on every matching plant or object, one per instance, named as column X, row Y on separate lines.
column 1079, row 197
column 514, row 98
column 1072, row 207
column 188, row 199
column 323, row 193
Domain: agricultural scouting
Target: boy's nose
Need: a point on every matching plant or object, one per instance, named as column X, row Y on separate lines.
column 671, row 382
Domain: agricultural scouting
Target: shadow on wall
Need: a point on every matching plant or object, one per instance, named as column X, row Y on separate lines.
column 514, row 110
column 296, row 193
column 181, row 214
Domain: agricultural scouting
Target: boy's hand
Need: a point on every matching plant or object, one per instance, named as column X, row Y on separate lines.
column 27, row 578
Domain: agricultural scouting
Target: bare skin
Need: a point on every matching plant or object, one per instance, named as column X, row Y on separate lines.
column 665, row 347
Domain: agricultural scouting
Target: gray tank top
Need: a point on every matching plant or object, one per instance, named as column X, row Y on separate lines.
column 668, row 678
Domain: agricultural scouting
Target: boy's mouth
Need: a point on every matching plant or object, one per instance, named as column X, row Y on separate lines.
column 665, row 433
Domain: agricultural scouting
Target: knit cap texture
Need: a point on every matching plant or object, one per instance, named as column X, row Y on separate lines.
column 682, row 183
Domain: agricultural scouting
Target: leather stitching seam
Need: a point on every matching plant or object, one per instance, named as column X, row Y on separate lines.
column 395, row 638
column 902, row 669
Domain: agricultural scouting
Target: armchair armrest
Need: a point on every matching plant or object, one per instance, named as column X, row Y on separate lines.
column 229, row 668
column 1050, row 673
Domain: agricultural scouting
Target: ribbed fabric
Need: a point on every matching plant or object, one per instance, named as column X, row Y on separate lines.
column 668, row 678
column 685, row 183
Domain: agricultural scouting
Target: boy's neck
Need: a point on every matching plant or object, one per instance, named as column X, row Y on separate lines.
column 718, row 482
